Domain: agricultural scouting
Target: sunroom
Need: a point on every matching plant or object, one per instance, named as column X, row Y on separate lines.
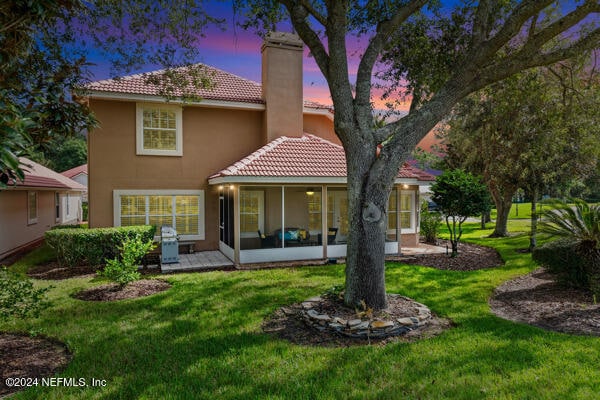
column 288, row 201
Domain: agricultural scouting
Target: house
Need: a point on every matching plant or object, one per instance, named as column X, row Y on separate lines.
column 29, row 208
column 251, row 169
column 80, row 175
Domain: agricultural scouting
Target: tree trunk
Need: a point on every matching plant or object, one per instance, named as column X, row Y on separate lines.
column 365, row 258
column 534, row 219
column 503, row 204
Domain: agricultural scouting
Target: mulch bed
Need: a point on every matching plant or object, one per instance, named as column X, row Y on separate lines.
column 470, row 257
column 29, row 357
column 538, row 299
column 53, row 271
column 133, row 290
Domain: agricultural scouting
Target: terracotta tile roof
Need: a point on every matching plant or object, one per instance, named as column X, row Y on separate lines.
column 298, row 157
column 82, row 169
column 317, row 106
column 227, row 87
column 38, row 176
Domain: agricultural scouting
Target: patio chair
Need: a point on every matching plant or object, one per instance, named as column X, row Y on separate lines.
column 266, row 241
column 331, row 234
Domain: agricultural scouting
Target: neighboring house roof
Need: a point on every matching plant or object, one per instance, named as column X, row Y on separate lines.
column 306, row 158
column 38, row 176
column 227, row 87
column 73, row 172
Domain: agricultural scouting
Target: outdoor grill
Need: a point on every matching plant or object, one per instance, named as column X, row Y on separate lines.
column 169, row 243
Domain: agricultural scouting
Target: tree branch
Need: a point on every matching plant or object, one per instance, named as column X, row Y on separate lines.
column 313, row 11
column 298, row 14
column 561, row 25
column 373, row 50
column 481, row 26
column 509, row 30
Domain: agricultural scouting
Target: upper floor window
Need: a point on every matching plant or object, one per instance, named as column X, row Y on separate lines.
column 159, row 130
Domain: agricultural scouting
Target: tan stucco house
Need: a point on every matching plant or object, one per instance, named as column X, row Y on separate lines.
column 251, row 170
column 30, row 207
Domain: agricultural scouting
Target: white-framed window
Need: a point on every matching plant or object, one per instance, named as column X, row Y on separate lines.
column 252, row 212
column 181, row 209
column 407, row 211
column 159, row 130
column 32, row 208
column 392, row 212
column 57, row 206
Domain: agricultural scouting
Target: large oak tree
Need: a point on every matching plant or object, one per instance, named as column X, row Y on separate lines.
column 478, row 44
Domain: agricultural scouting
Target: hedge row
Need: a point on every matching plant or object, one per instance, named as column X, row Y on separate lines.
column 562, row 258
column 93, row 246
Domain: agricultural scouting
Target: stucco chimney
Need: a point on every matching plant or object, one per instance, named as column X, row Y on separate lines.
column 282, row 85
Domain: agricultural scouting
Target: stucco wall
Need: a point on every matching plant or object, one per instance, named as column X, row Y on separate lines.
column 213, row 139
column 14, row 228
column 320, row 125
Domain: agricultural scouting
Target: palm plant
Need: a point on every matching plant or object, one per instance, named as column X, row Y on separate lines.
column 576, row 220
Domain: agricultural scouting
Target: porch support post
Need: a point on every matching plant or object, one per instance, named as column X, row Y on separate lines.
column 398, row 219
column 283, row 217
column 324, row 226
column 236, row 222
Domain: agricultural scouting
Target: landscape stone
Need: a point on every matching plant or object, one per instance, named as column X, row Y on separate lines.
column 381, row 324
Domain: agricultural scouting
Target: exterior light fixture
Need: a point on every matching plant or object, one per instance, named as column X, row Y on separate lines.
column 310, row 191
column 405, row 186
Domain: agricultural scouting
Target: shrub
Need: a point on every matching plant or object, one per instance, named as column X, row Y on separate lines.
column 579, row 222
column 93, row 246
column 431, row 221
column 71, row 226
column 124, row 269
column 18, row 297
column 562, row 258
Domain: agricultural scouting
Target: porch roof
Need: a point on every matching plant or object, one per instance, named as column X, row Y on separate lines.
column 306, row 159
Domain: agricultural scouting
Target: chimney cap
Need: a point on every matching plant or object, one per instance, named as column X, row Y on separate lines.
column 283, row 39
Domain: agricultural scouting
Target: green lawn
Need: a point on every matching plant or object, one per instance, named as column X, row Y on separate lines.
column 202, row 340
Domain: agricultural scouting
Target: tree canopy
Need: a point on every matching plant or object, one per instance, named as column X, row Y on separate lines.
column 534, row 131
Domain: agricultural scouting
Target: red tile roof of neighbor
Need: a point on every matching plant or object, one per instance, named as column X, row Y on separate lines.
column 82, row 169
column 307, row 156
column 38, row 176
column 227, row 87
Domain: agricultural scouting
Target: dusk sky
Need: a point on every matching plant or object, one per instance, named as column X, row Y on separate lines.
column 238, row 51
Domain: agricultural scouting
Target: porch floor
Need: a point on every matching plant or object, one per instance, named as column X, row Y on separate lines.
column 215, row 260
column 199, row 261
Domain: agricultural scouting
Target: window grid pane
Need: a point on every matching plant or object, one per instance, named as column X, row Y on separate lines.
column 182, row 211
column 159, row 129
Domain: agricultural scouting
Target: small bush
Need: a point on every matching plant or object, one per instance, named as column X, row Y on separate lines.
column 431, row 222
column 92, row 246
column 18, row 297
column 563, row 258
column 124, row 269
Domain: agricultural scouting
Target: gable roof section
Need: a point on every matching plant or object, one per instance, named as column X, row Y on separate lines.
column 73, row 172
column 38, row 176
column 227, row 86
column 304, row 159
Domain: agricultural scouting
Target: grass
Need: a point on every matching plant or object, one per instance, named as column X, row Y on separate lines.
column 202, row 340
column 521, row 211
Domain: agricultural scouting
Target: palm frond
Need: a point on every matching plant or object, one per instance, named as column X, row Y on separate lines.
column 575, row 219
